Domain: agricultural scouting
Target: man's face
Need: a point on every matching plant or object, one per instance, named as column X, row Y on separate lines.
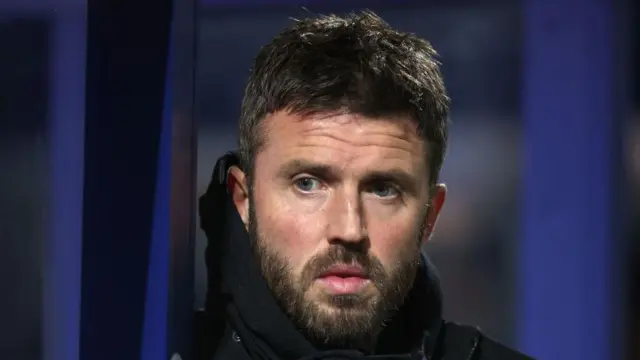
column 337, row 210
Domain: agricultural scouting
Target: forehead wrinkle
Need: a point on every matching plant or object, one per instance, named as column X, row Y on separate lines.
column 389, row 139
column 389, row 152
column 373, row 137
column 401, row 129
column 329, row 126
column 387, row 149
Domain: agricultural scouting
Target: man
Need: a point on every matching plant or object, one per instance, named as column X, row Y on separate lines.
column 315, row 228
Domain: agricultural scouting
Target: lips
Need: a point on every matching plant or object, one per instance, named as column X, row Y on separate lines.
column 344, row 271
column 344, row 279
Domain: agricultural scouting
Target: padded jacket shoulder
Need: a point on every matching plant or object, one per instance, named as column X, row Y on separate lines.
column 459, row 342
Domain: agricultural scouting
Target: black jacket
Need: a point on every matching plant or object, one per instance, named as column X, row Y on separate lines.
column 243, row 321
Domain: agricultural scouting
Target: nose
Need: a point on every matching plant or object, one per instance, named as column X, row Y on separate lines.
column 346, row 219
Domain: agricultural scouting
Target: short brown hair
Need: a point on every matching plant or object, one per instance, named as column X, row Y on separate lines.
column 355, row 64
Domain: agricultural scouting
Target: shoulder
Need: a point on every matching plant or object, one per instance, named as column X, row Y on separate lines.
column 470, row 343
column 491, row 349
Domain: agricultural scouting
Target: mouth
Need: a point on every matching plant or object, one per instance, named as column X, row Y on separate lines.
column 344, row 279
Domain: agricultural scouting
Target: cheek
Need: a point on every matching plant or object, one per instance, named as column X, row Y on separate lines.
column 287, row 230
column 392, row 243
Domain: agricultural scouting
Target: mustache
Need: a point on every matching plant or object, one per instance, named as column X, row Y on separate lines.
column 337, row 254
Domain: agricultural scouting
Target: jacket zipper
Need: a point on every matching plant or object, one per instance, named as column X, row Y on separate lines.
column 474, row 348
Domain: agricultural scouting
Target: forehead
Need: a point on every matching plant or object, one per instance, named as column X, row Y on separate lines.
column 344, row 139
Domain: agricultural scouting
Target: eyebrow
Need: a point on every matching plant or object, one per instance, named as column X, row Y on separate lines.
column 297, row 166
column 330, row 173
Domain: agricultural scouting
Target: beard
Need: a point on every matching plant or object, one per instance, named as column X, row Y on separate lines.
column 334, row 321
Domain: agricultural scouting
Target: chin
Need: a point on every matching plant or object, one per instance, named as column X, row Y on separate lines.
column 341, row 323
column 345, row 304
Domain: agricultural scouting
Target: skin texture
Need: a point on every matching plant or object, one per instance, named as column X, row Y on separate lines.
column 338, row 189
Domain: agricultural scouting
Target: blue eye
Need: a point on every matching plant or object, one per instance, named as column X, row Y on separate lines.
column 385, row 191
column 307, row 184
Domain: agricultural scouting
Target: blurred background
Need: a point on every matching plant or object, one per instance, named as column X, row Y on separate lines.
column 476, row 241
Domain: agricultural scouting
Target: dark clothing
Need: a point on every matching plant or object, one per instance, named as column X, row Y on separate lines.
column 243, row 320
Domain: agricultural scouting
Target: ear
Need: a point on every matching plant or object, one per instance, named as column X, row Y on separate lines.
column 239, row 188
column 438, row 196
